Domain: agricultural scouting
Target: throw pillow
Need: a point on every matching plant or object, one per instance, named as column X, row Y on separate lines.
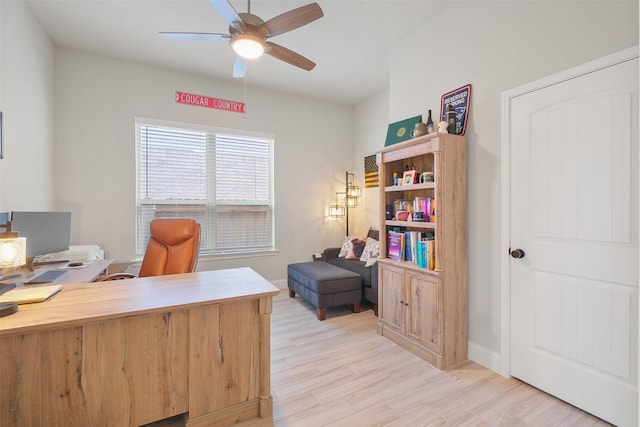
column 371, row 252
column 346, row 243
column 356, row 247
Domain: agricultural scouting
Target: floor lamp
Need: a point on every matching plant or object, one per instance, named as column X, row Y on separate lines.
column 351, row 194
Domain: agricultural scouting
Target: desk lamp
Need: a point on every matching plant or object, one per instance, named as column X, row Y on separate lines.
column 13, row 250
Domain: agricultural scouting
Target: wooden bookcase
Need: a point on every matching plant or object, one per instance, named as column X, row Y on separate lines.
column 422, row 310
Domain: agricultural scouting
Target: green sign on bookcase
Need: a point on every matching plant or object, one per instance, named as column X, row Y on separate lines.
column 401, row 131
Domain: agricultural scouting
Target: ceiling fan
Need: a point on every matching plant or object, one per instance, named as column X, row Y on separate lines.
column 248, row 34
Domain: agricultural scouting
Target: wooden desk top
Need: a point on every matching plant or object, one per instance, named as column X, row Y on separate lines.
column 81, row 303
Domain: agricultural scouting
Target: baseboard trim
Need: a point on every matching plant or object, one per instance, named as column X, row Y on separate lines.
column 485, row 357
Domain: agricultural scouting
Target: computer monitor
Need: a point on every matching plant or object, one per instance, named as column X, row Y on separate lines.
column 46, row 232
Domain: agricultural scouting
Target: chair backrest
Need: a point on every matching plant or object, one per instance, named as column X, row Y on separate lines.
column 173, row 247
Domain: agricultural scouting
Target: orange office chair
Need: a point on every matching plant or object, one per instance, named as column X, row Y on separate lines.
column 172, row 249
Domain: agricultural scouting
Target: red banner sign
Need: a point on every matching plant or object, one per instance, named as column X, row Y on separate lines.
column 209, row 102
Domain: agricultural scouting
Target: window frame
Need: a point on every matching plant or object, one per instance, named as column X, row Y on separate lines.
column 210, row 204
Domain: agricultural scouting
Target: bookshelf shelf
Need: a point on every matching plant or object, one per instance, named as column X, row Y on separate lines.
column 425, row 310
column 412, row 266
column 410, row 187
column 411, row 224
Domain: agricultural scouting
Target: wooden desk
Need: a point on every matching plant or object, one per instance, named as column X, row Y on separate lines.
column 130, row 352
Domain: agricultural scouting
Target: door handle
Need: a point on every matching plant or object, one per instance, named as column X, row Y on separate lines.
column 516, row 253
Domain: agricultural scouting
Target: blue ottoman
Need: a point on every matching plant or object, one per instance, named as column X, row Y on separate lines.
column 325, row 285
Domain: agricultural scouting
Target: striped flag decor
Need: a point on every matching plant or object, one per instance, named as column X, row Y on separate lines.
column 370, row 171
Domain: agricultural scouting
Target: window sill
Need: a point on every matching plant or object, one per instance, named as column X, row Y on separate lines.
column 220, row 257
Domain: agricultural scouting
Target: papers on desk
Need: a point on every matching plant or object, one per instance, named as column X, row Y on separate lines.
column 24, row 295
column 79, row 253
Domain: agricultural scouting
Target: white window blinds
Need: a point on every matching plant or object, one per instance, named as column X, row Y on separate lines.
column 221, row 179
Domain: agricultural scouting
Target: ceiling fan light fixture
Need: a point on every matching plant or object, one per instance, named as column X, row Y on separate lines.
column 248, row 34
column 248, row 46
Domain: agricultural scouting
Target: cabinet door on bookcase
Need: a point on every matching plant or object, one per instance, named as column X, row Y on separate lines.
column 424, row 314
column 391, row 297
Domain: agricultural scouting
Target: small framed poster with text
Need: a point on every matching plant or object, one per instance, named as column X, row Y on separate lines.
column 459, row 99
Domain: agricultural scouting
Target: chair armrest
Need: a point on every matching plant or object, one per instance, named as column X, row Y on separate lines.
column 115, row 276
column 330, row 253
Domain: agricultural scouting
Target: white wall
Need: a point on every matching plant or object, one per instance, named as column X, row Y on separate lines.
column 26, row 100
column 1, row 104
column 96, row 101
column 370, row 129
column 495, row 46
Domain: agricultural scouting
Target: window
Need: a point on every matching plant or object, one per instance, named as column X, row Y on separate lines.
column 222, row 179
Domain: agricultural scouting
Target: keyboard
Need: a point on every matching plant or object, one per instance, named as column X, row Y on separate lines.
column 4, row 287
column 48, row 276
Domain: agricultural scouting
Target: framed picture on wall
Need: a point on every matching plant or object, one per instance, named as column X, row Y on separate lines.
column 1, row 138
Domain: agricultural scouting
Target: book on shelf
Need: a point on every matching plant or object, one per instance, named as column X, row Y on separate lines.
column 412, row 246
column 411, row 239
column 395, row 245
column 431, row 249
column 407, row 246
column 424, row 255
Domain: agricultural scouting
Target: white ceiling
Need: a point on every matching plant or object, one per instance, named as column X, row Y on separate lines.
column 350, row 44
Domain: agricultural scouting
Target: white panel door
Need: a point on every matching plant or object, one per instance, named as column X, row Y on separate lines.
column 574, row 213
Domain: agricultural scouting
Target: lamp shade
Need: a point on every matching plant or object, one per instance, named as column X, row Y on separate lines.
column 351, row 202
column 354, row 191
column 247, row 45
column 336, row 211
column 13, row 251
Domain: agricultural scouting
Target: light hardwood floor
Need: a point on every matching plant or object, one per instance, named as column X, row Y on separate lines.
column 339, row 372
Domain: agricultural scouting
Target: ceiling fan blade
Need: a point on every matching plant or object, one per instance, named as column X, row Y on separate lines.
column 239, row 67
column 289, row 56
column 195, row 36
column 293, row 19
column 229, row 14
